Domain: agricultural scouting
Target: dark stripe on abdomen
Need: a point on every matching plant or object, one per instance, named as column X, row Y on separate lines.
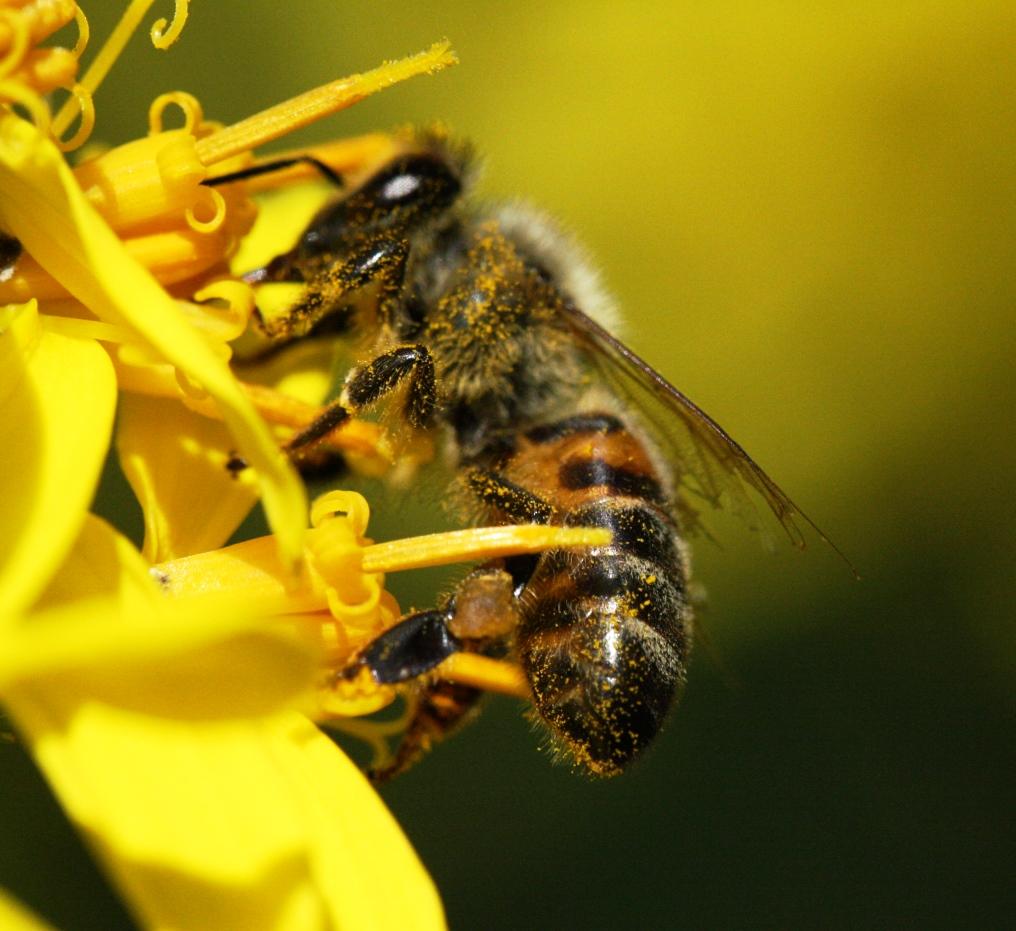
column 638, row 528
column 580, row 423
column 580, row 473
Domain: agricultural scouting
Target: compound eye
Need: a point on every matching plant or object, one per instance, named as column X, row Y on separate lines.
column 412, row 185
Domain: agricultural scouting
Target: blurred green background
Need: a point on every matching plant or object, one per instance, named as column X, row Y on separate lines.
column 807, row 211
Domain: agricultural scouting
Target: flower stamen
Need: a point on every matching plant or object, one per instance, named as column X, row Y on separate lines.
column 440, row 549
column 188, row 104
column 84, row 32
column 313, row 105
column 341, row 557
column 341, row 598
column 86, row 113
column 162, row 36
column 18, row 36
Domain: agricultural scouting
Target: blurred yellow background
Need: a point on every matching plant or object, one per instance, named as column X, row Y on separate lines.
column 808, row 214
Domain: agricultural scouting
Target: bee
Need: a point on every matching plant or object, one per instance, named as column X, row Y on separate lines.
column 488, row 328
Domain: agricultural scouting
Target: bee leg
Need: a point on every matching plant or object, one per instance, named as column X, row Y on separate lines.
column 379, row 259
column 482, row 612
column 512, row 501
column 281, row 268
column 482, row 609
column 455, row 643
column 438, row 709
column 415, row 645
column 334, row 415
column 371, row 382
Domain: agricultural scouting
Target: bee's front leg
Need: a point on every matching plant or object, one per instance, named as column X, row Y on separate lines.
column 333, row 279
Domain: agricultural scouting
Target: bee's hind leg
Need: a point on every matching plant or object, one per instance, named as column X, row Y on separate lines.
column 480, row 615
column 415, row 645
column 449, row 642
column 438, row 709
column 511, row 501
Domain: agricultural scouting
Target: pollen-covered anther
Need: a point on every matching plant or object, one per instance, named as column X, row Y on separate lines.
column 322, row 101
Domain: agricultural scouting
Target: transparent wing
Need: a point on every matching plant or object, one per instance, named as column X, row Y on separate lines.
column 709, row 464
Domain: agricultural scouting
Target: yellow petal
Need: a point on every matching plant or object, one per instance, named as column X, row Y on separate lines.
column 104, row 630
column 16, row 917
column 43, row 206
column 304, row 370
column 256, row 824
column 57, row 399
column 176, row 462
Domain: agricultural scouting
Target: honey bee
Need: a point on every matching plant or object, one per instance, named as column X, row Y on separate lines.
column 488, row 328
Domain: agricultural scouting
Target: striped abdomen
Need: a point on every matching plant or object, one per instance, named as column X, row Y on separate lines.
column 604, row 635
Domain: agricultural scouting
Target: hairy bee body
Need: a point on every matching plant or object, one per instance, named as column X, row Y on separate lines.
column 465, row 315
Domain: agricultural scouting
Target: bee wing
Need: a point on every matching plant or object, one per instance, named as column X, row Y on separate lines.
column 708, row 462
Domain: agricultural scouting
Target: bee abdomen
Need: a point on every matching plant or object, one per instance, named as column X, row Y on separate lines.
column 605, row 635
